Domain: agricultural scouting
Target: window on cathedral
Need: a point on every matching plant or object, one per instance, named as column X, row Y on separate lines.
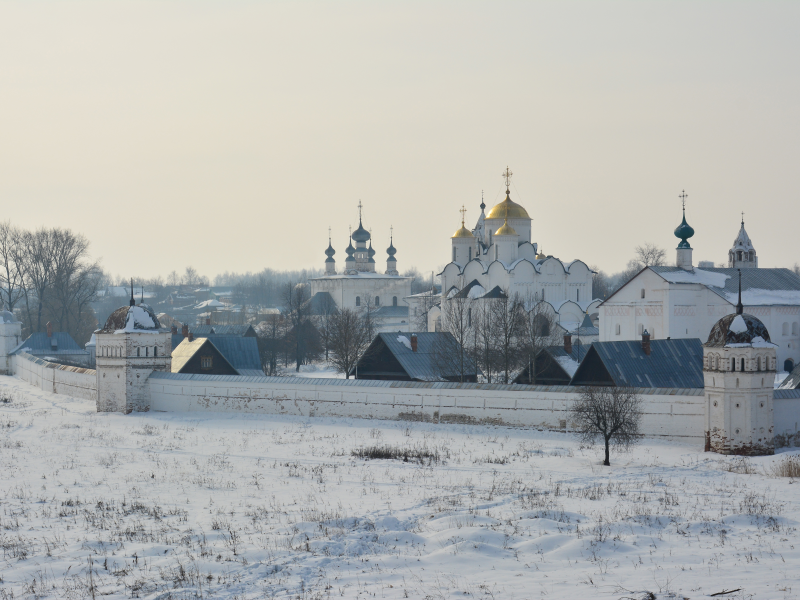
column 642, row 292
column 377, row 301
column 742, row 369
column 739, row 254
column 138, row 352
column 155, row 350
column 733, row 364
column 785, row 329
column 206, row 362
column 147, row 351
column 394, row 300
column 469, row 317
column 758, row 363
column 470, row 253
column 358, row 300
column 454, row 254
column 578, row 295
column 617, row 329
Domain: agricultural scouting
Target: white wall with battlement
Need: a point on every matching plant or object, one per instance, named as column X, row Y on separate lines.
column 59, row 379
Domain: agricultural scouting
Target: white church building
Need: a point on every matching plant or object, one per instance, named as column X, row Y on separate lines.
column 499, row 256
column 359, row 285
column 685, row 301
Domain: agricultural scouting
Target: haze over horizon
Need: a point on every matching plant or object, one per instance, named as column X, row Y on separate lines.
column 230, row 136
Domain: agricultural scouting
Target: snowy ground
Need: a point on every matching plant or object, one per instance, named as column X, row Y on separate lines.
column 316, row 370
column 184, row 506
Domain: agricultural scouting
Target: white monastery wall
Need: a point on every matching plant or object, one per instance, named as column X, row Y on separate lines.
column 675, row 414
column 59, row 379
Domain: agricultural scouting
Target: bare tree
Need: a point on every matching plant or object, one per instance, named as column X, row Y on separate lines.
column 296, row 306
column 539, row 331
column 507, row 325
column 369, row 310
column 650, row 255
column 271, row 333
column 349, row 339
column 11, row 281
column 601, row 286
column 427, row 301
column 611, row 413
column 484, row 345
column 457, row 321
column 33, row 253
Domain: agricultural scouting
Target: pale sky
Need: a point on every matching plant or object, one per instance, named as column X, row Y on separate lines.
column 231, row 135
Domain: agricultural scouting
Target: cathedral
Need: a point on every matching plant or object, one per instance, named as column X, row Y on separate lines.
column 360, row 286
column 498, row 256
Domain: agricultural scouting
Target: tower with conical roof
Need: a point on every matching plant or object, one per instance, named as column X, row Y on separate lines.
column 742, row 254
column 330, row 262
column 683, row 232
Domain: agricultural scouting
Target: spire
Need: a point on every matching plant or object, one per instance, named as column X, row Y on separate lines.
column 133, row 302
column 483, row 204
column 739, row 307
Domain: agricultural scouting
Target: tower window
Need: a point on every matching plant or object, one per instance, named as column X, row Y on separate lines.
column 147, row 351
column 733, row 364
column 155, row 350
column 394, row 300
column 138, row 352
column 578, row 295
column 377, row 301
column 617, row 329
column 642, row 292
column 358, row 300
column 742, row 369
column 469, row 317
column 206, row 362
column 454, row 254
column 469, row 254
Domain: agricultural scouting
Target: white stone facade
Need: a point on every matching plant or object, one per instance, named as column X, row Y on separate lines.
column 10, row 334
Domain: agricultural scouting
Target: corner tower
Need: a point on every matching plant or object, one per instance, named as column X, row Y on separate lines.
column 130, row 346
column 738, row 372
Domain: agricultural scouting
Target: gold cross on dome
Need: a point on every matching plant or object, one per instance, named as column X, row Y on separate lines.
column 507, row 176
column 683, row 195
column 463, row 212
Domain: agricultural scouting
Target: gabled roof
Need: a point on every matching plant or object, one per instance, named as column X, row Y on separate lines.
column 465, row 293
column 671, row 364
column 186, row 351
column 241, row 352
column 39, row 344
column 422, row 365
column 322, row 303
column 495, row 292
column 237, row 330
column 792, row 382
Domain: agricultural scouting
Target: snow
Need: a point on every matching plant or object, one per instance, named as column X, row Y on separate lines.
column 568, row 364
column 476, row 291
column 452, row 292
column 313, row 371
column 759, row 297
column 209, row 304
column 696, row 276
column 738, row 325
column 405, row 341
column 257, row 506
column 137, row 321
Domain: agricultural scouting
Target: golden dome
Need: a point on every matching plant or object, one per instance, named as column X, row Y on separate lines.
column 506, row 229
column 515, row 211
column 463, row 233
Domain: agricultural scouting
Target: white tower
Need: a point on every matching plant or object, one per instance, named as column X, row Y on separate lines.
column 130, row 347
column 742, row 255
column 463, row 243
column 739, row 371
column 10, row 333
column 684, row 232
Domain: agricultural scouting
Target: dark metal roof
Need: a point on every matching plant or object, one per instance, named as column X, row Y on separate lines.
column 434, row 385
column 206, row 330
column 55, row 366
column 792, row 382
column 464, row 293
column 722, row 334
column 578, row 352
column 425, row 364
column 241, row 352
column 495, row 292
column 322, row 303
column 755, row 279
column 780, row 394
column 671, row 363
column 39, row 344
column 392, row 311
column 186, row 350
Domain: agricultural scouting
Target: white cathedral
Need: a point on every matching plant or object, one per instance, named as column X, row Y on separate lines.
column 498, row 256
column 359, row 285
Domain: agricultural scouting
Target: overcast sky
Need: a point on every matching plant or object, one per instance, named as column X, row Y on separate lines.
column 231, row 135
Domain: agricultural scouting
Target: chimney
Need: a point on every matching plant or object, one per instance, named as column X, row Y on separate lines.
column 208, row 321
column 568, row 343
column 646, row 342
column 49, row 329
column 191, row 337
column 185, row 330
column 174, row 329
column 413, row 342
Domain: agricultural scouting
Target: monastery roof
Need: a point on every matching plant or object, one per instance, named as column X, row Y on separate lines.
column 738, row 330
column 59, row 344
column 132, row 319
column 792, row 382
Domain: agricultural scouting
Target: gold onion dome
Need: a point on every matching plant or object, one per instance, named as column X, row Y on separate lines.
column 463, row 233
column 506, row 229
column 515, row 211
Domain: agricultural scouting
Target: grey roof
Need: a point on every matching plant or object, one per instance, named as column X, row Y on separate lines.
column 792, row 382
column 578, row 352
column 392, row 311
column 434, row 385
column 755, row 279
column 241, row 352
column 671, row 363
column 422, row 364
column 40, row 344
column 322, row 303
column 495, row 292
column 464, row 293
column 206, row 330
column 186, row 350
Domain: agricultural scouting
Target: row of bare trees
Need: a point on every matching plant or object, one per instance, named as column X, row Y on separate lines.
column 498, row 336
column 47, row 275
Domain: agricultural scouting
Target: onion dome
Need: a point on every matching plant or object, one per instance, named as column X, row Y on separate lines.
column 350, row 250
column 361, row 234
column 329, row 253
column 132, row 319
column 684, row 231
column 370, row 253
column 508, row 209
column 391, row 250
column 463, row 233
column 506, row 229
column 738, row 329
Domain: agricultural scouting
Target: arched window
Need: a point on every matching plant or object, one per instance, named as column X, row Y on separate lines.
column 785, row 329
column 578, row 295
column 469, row 317
column 642, row 292
column 733, row 364
column 795, row 328
column 742, row 369
column 155, row 350
column 358, row 300
column 454, row 254
column 138, row 352
column 470, row 253
column 394, row 300
column 788, row 365
column 147, row 351
column 377, row 301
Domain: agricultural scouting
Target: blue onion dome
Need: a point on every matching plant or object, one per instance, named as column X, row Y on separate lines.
column 684, row 231
column 391, row 250
column 330, row 251
column 350, row 250
column 361, row 234
column 370, row 251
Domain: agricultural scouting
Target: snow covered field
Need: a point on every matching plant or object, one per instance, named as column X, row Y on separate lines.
column 186, row 506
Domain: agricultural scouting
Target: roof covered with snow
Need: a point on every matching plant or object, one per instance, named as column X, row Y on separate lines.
column 760, row 287
column 738, row 331
column 132, row 319
column 59, row 344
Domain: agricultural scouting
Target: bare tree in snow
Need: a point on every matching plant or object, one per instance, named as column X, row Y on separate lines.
column 349, row 339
